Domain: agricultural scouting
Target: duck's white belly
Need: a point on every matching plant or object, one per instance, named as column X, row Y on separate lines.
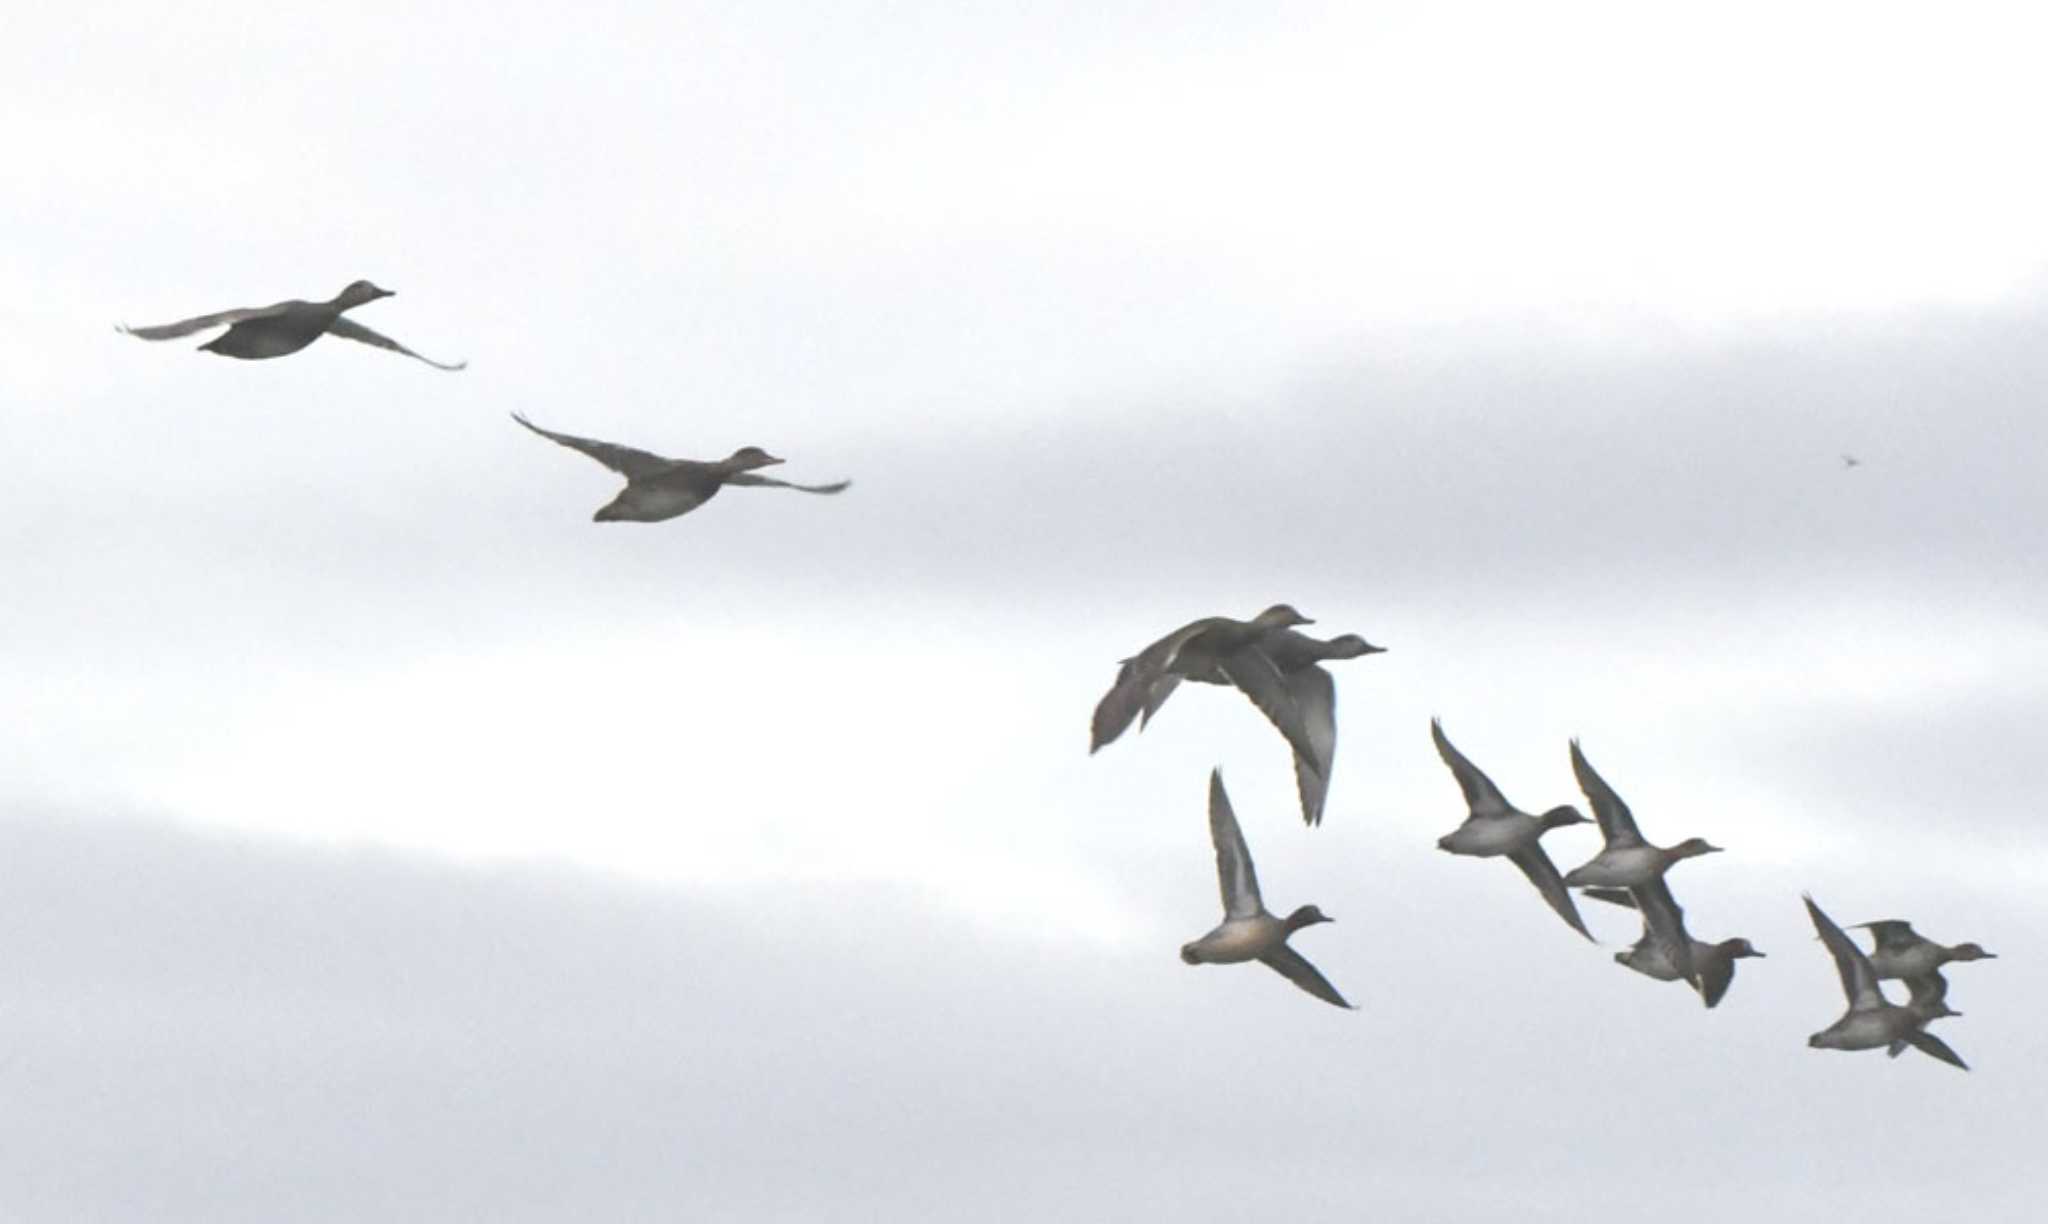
column 1232, row 942
column 1631, row 867
column 1490, row 835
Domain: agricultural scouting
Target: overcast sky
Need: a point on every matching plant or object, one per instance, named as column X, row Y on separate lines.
column 386, row 839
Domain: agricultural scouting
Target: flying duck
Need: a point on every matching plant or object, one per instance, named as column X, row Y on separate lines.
column 1627, row 860
column 1248, row 931
column 1496, row 827
column 658, row 488
column 1871, row 1021
column 1901, row 952
column 1714, row 963
column 1212, row 646
column 257, row 332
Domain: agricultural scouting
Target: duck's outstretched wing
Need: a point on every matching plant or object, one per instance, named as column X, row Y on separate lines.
column 1315, row 703
column 1481, row 795
column 1859, row 980
column 1256, row 677
column 1934, row 1047
column 1234, row 874
column 198, row 323
column 1295, row 968
column 1715, row 978
column 1890, row 934
column 749, row 478
column 630, row 463
column 349, row 329
column 1156, row 694
column 1543, row 874
column 1665, row 922
column 1119, row 707
column 1617, row 825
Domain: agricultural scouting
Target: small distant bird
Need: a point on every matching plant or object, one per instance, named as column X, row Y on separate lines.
column 1298, row 656
column 1871, row 1022
column 1496, row 827
column 1248, row 931
column 1850, row 461
column 1901, row 952
column 659, row 488
column 1214, row 645
column 258, row 332
column 1714, row 963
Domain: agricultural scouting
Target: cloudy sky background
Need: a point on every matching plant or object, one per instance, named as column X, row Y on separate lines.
column 385, row 838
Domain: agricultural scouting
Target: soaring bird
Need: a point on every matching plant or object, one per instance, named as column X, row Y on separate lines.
column 1496, row 827
column 659, row 488
column 1248, row 931
column 257, row 332
column 1871, row 1022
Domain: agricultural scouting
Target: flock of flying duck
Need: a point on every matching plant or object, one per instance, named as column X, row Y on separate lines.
column 657, row 488
column 1280, row 669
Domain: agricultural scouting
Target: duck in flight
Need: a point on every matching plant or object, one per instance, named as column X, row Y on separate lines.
column 1496, row 827
column 258, row 332
column 1626, row 860
column 1872, row 1022
column 1215, row 646
column 1248, row 931
column 1902, row 952
column 658, row 488
column 1713, row 963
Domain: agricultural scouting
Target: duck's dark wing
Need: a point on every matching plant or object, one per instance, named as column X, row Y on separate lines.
column 185, row 327
column 1891, row 934
column 1617, row 825
column 1934, row 1047
column 349, row 329
column 1927, row 994
column 1234, row 874
column 1156, row 694
column 1256, row 677
column 1481, row 795
column 1715, row 977
column 1543, row 874
column 630, row 463
column 1315, row 702
column 749, row 478
column 1665, row 922
column 1295, row 968
column 1859, row 980
column 1119, row 706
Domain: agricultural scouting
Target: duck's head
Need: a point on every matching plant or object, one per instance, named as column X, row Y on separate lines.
column 359, row 292
column 1970, row 951
column 747, row 458
column 1307, row 915
column 1739, row 947
column 1188, row 954
column 1693, row 847
column 1350, row 646
column 1280, row 616
column 1562, row 815
column 611, row 512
